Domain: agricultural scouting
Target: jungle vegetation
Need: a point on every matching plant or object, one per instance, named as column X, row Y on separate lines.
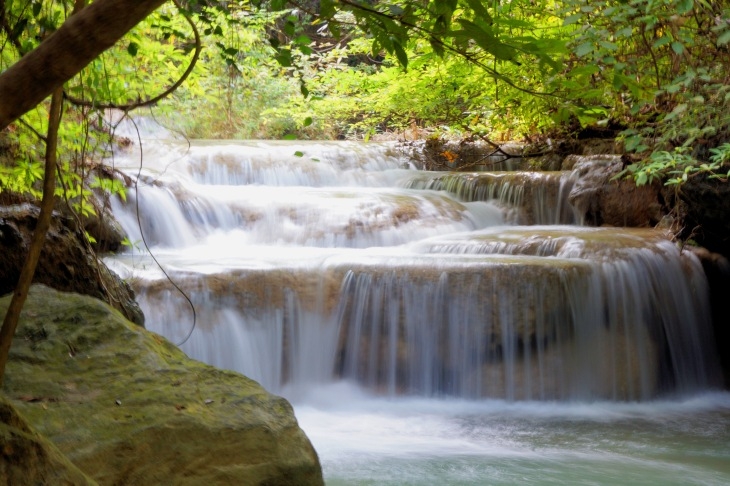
column 654, row 73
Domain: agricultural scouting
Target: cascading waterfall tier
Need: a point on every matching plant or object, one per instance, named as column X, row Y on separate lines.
column 531, row 197
column 309, row 263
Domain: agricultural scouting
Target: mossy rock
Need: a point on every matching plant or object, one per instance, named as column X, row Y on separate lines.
column 28, row 458
column 127, row 407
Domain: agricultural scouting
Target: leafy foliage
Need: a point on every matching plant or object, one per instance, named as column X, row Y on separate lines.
column 359, row 68
column 659, row 67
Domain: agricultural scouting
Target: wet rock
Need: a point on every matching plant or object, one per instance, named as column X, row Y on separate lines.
column 704, row 205
column 65, row 263
column 600, row 146
column 717, row 270
column 127, row 407
column 28, row 458
column 105, row 230
column 603, row 201
column 470, row 155
column 619, row 368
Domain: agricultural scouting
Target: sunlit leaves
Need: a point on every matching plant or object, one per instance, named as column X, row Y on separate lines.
column 652, row 63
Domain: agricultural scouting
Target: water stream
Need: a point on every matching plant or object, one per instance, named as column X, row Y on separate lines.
column 431, row 328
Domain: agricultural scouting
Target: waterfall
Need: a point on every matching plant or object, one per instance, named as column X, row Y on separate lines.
column 310, row 263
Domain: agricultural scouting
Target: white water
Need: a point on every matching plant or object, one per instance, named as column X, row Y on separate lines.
column 336, row 264
column 365, row 440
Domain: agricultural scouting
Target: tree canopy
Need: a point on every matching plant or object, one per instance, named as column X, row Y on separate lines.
column 517, row 68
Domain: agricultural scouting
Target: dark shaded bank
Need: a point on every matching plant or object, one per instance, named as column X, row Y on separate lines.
column 66, row 263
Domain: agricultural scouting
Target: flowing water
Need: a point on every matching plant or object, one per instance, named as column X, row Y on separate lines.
column 431, row 328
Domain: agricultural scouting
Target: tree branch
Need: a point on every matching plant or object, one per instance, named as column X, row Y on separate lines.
column 164, row 94
column 80, row 39
column 448, row 47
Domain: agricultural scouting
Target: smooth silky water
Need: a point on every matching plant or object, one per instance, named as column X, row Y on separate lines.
column 431, row 328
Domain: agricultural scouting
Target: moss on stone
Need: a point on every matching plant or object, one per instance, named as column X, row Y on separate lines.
column 128, row 407
column 28, row 458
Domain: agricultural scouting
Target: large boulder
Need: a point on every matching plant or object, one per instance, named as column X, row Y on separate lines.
column 66, row 263
column 704, row 208
column 128, row 408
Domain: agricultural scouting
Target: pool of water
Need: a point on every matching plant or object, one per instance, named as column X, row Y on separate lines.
column 366, row 440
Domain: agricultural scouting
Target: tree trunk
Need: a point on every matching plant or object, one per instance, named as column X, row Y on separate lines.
column 12, row 316
column 80, row 39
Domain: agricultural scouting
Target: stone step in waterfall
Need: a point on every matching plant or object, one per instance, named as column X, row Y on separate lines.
column 316, row 262
column 545, row 313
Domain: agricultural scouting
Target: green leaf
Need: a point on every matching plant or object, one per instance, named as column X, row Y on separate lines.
column 480, row 12
column 277, row 5
column 684, row 6
column 445, row 7
column 327, row 8
column 308, row 121
column 438, row 49
column 18, row 28
column 284, row 58
column 395, row 10
column 298, row 153
column 608, row 45
column 303, row 40
column 572, row 19
column 625, row 32
column 132, row 48
column 632, row 142
column 723, row 38
column 400, row 53
column 584, row 70
column 482, row 36
column 289, row 28
column 677, row 47
column 662, row 41
column 289, row 136
column 583, row 49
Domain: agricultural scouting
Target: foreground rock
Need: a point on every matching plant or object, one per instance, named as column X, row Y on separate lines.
column 127, row 407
